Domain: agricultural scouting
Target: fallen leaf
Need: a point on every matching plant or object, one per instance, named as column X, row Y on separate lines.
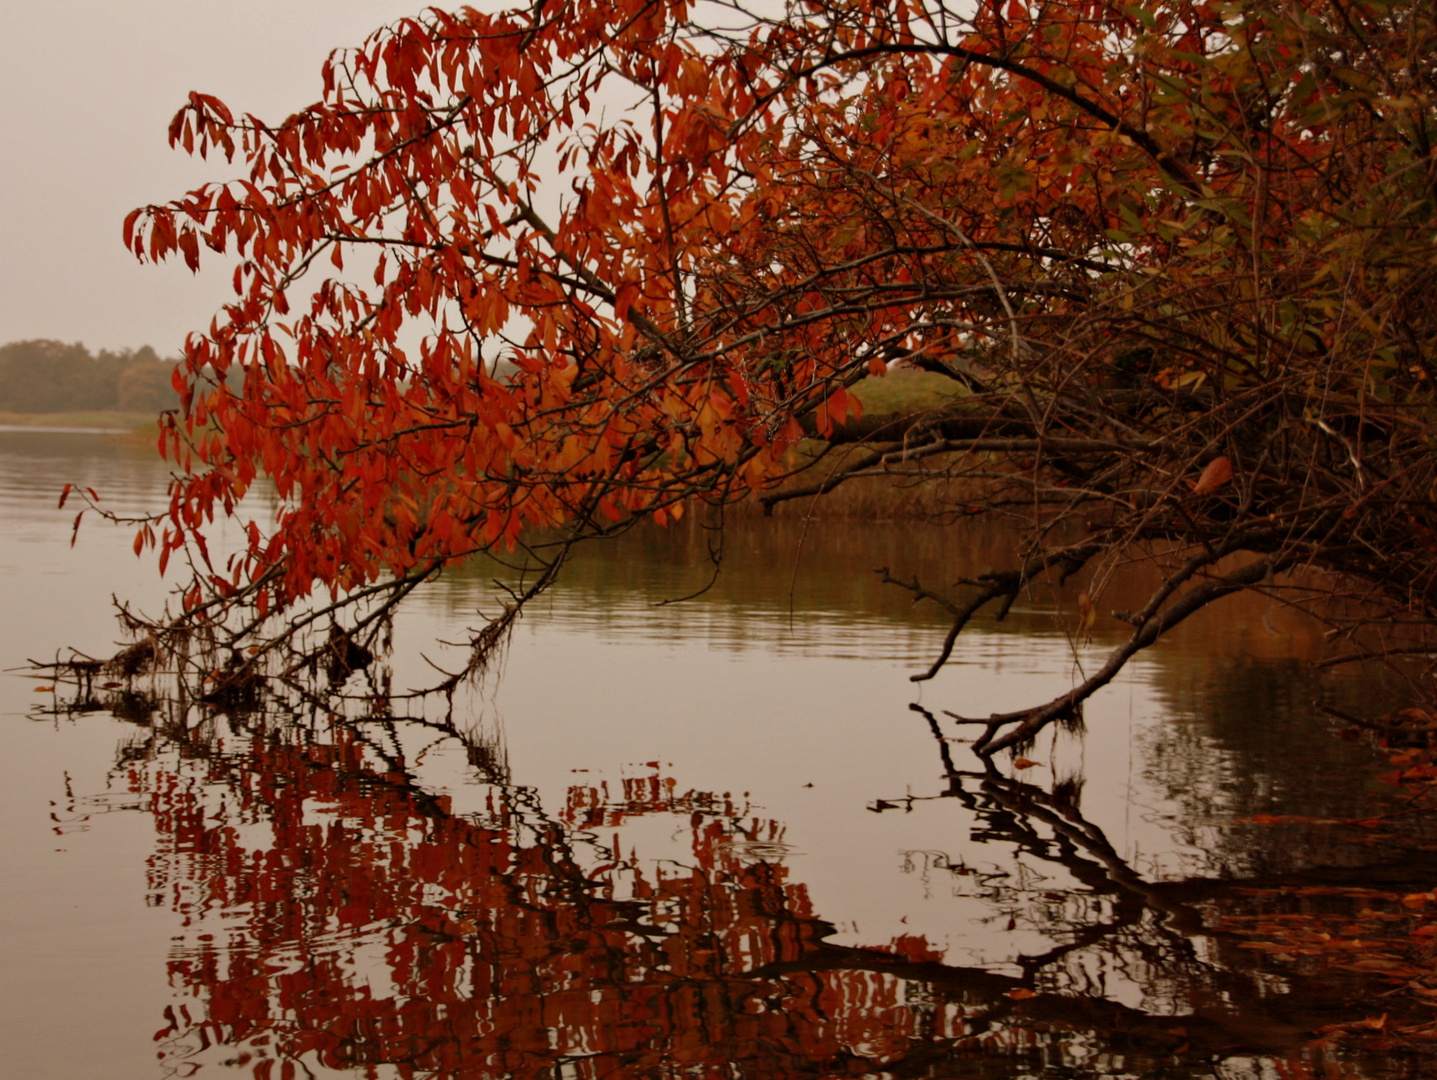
column 1024, row 763
column 43, row 689
column 1021, row 994
column 1217, row 473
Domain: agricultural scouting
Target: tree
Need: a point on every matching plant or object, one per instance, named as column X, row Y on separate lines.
column 50, row 376
column 1179, row 256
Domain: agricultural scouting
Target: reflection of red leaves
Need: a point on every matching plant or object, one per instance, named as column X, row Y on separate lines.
column 1371, row 1023
column 1417, row 774
column 1261, row 819
column 914, row 947
column 487, row 917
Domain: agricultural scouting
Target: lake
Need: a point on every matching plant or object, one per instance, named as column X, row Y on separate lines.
column 727, row 837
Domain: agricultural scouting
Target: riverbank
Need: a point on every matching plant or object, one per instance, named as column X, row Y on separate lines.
column 97, row 420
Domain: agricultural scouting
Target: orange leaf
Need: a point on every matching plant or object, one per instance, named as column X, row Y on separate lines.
column 1021, row 994
column 1024, row 763
column 1217, row 473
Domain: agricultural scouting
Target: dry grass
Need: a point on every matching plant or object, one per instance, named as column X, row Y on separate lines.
column 895, row 497
column 899, row 495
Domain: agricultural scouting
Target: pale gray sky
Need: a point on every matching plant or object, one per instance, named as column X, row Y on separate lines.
column 87, row 89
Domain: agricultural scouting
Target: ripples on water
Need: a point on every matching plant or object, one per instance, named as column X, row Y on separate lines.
column 698, row 840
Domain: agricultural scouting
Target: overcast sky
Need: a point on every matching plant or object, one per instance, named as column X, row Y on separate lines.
column 87, row 89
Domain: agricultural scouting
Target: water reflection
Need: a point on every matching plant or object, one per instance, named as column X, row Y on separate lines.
column 379, row 898
column 383, row 896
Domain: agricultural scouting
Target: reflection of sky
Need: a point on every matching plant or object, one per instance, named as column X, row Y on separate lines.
column 804, row 719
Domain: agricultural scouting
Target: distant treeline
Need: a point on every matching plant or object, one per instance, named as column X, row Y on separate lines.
column 50, row 376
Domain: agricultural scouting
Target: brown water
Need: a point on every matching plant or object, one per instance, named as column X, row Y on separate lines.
column 720, row 838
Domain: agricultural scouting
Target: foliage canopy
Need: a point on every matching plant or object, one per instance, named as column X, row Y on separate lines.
column 1179, row 255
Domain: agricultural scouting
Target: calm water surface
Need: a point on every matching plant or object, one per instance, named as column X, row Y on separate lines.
column 723, row 838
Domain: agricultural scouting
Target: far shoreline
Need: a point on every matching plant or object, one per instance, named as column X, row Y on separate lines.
column 96, row 422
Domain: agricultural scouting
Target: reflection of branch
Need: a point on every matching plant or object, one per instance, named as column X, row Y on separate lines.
column 1001, row 1001
column 1011, row 808
column 1029, row 802
column 1425, row 651
column 1065, row 820
column 1416, row 727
